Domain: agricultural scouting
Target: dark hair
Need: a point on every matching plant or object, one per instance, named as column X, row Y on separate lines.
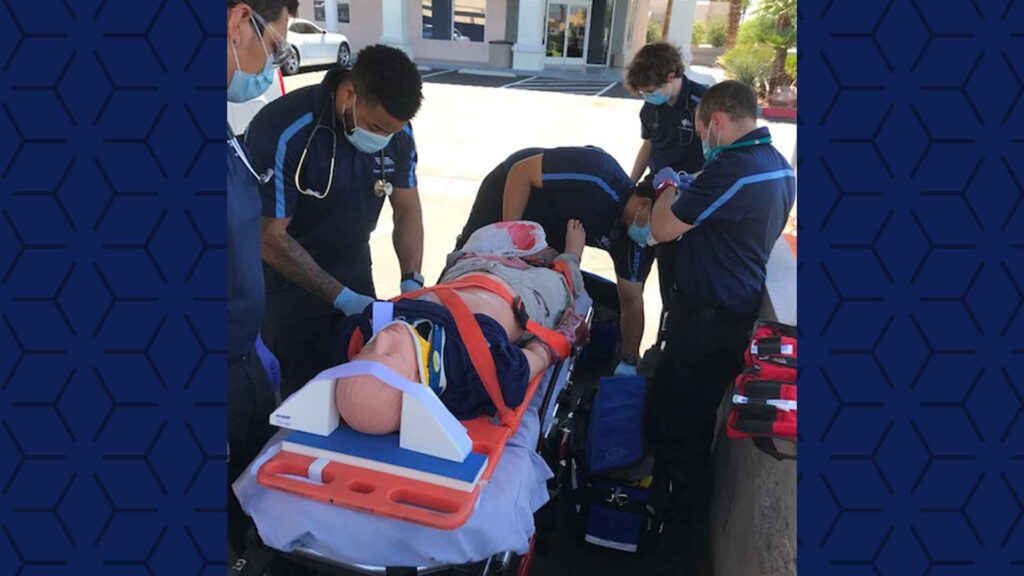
column 270, row 10
column 383, row 75
column 652, row 66
column 730, row 96
column 645, row 187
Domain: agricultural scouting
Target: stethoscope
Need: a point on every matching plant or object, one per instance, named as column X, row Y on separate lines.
column 380, row 188
column 261, row 178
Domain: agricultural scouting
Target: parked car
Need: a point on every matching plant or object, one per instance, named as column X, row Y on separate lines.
column 315, row 46
column 241, row 113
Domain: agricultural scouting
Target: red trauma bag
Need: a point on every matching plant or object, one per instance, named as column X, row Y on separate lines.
column 763, row 401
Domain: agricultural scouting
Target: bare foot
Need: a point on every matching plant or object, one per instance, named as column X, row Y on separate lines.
column 575, row 238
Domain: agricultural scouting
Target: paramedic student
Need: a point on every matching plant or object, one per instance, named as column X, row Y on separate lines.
column 337, row 150
column 256, row 46
column 729, row 218
column 555, row 185
column 667, row 128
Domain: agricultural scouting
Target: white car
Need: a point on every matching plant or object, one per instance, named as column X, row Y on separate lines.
column 313, row 45
column 241, row 113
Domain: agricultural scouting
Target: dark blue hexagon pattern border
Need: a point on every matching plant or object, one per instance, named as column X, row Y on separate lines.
column 911, row 285
column 112, row 287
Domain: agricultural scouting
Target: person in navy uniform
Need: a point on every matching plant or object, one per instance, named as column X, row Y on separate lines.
column 727, row 221
column 670, row 138
column 552, row 186
column 256, row 47
column 336, row 150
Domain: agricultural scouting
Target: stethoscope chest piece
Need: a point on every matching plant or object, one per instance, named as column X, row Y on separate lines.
column 383, row 188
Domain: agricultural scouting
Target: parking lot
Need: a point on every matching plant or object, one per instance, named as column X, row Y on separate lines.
column 471, row 122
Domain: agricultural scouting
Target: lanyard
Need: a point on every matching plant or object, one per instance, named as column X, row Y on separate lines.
column 261, row 178
column 745, row 144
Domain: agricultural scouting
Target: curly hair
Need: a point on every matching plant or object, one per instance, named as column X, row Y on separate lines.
column 383, row 75
column 652, row 66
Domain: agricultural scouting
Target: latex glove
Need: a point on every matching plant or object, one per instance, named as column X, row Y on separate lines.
column 664, row 178
column 624, row 369
column 271, row 367
column 351, row 302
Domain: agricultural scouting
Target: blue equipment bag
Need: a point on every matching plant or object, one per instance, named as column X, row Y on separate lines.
column 619, row 500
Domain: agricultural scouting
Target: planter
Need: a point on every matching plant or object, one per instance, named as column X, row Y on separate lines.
column 706, row 55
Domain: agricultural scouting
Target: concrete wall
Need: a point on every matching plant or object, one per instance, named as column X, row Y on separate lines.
column 471, row 52
column 712, row 12
column 753, row 514
column 365, row 26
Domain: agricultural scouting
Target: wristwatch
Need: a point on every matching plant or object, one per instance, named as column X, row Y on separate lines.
column 414, row 276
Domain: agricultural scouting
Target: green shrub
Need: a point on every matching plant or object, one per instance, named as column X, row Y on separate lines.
column 653, row 31
column 716, row 34
column 755, row 30
column 791, row 66
column 751, row 65
column 700, row 34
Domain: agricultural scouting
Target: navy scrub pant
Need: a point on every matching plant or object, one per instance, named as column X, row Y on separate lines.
column 703, row 354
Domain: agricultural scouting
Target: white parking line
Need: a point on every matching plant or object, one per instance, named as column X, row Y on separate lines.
column 487, row 72
column 518, row 82
column 606, row 88
column 432, row 74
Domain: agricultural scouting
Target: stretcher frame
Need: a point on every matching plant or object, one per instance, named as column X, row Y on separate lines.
column 258, row 556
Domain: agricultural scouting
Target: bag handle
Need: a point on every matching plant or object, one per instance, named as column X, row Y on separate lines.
column 767, row 445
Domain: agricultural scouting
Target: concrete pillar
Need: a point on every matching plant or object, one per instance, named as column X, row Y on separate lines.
column 394, row 32
column 680, row 26
column 528, row 51
column 331, row 15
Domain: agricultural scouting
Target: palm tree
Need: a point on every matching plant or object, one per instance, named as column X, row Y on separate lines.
column 784, row 38
column 735, row 12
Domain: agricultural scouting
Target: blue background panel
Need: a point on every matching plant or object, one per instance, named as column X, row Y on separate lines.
column 112, row 283
column 911, row 273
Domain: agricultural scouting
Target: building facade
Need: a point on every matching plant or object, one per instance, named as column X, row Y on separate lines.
column 542, row 33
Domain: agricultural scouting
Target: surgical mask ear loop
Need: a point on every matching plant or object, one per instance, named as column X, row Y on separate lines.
column 234, row 49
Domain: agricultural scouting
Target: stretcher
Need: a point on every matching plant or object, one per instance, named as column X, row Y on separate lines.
column 499, row 523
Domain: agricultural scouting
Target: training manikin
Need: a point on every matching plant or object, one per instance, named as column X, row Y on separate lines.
column 423, row 345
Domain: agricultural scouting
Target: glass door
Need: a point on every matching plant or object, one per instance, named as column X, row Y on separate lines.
column 565, row 37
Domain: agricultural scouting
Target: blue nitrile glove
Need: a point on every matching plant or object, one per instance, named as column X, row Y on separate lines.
column 411, row 283
column 685, row 179
column 351, row 302
column 625, row 369
column 666, row 177
column 271, row 367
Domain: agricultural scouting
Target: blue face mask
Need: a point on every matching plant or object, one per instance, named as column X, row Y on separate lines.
column 247, row 86
column 710, row 152
column 364, row 140
column 656, row 98
column 640, row 234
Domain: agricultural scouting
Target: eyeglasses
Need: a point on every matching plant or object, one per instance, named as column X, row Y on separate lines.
column 282, row 51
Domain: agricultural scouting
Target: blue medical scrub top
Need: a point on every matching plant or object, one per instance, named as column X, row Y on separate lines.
column 586, row 184
column 672, row 130
column 334, row 230
column 738, row 206
column 245, row 271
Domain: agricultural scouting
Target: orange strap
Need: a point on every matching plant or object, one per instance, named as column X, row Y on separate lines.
column 557, row 341
column 478, row 349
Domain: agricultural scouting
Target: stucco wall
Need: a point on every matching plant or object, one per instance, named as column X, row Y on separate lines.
column 753, row 515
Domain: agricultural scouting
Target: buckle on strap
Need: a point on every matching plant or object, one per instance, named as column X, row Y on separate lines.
column 617, row 497
column 519, row 311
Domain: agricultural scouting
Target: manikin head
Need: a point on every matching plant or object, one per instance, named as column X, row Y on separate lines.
column 369, row 405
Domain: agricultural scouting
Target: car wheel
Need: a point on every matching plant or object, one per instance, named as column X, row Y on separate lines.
column 344, row 55
column 291, row 66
